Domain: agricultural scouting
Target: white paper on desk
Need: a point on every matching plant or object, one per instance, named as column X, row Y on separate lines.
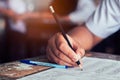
column 94, row 69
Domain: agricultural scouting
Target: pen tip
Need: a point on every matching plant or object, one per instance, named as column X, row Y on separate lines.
column 79, row 64
column 81, row 68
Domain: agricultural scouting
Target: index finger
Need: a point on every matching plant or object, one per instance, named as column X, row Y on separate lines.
column 63, row 46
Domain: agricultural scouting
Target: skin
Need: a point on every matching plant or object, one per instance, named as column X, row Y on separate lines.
column 15, row 17
column 9, row 13
column 81, row 39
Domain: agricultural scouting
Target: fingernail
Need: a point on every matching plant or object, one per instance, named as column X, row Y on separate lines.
column 75, row 58
column 78, row 56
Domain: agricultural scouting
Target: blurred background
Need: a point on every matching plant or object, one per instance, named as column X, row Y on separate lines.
column 26, row 26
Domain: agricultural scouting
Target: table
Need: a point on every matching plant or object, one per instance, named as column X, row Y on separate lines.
column 43, row 58
column 103, row 55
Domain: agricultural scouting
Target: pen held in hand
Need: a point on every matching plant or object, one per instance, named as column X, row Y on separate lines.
column 63, row 33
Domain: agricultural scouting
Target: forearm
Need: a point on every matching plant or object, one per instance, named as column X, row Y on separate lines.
column 30, row 15
column 86, row 39
column 8, row 13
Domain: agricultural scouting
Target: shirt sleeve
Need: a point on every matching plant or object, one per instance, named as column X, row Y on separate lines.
column 106, row 19
column 84, row 9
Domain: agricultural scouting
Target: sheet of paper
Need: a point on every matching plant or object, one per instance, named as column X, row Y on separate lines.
column 93, row 69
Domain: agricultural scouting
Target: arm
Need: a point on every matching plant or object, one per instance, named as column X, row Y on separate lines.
column 85, row 37
column 42, row 16
column 83, row 11
column 8, row 13
column 30, row 15
column 81, row 38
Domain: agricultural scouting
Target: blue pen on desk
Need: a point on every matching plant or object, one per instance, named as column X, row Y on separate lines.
column 44, row 64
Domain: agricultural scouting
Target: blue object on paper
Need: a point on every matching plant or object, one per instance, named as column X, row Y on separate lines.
column 44, row 64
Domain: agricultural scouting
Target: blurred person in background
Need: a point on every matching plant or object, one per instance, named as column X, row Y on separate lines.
column 15, row 28
column 16, row 12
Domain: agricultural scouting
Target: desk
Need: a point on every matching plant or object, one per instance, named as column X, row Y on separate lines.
column 43, row 58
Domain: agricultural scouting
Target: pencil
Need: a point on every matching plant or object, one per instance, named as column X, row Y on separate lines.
column 63, row 32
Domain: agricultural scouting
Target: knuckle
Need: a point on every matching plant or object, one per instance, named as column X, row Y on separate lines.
column 69, row 54
column 61, row 56
column 82, row 52
column 72, row 56
column 61, row 46
column 57, row 53
column 58, row 34
column 59, row 62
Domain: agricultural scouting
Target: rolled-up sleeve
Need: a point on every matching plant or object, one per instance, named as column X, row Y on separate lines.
column 106, row 19
column 85, row 8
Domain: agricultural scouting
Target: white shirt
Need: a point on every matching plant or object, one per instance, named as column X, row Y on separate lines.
column 19, row 7
column 83, row 11
column 106, row 19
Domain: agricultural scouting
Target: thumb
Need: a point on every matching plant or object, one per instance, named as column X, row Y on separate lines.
column 77, row 48
column 80, row 52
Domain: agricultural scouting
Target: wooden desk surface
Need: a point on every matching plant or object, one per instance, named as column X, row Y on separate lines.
column 43, row 58
column 16, row 69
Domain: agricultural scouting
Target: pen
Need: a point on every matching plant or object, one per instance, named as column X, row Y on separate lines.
column 44, row 64
column 63, row 32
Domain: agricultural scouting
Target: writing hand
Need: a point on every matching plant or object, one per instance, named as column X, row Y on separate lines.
column 58, row 50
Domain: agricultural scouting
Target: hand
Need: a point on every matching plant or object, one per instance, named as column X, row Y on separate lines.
column 59, row 52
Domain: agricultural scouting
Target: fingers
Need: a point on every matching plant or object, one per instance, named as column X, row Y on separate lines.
column 59, row 51
column 62, row 57
column 55, row 59
column 53, row 53
column 80, row 52
column 77, row 48
column 63, row 46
